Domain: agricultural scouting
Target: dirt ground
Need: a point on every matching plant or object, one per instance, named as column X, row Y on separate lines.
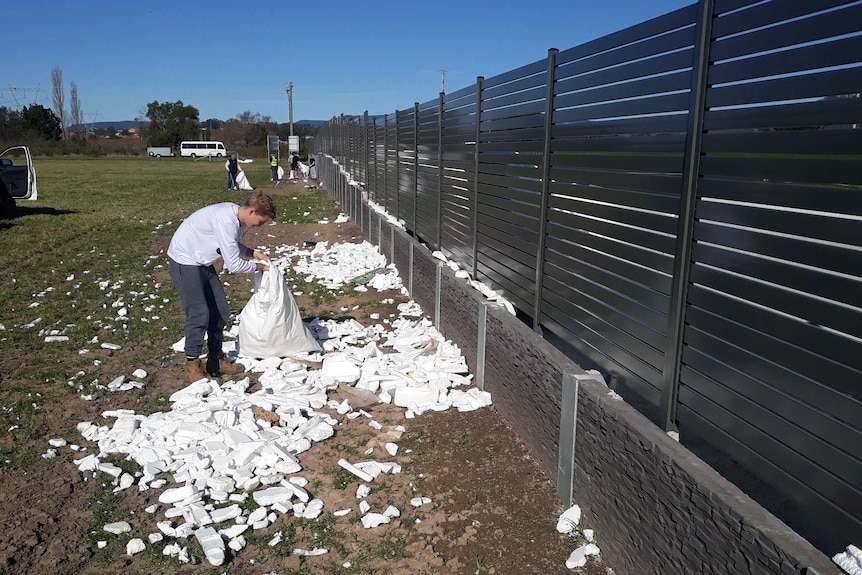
column 492, row 509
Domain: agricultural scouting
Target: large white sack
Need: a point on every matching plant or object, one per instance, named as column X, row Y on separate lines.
column 242, row 181
column 303, row 168
column 270, row 324
column 280, row 173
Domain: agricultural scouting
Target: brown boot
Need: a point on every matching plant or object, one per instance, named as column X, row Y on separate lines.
column 217, row 364
column 194, row 370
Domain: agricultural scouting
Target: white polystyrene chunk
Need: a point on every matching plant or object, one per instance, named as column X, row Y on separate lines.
column 135, row 546
column 569, row 519
column 212, row 544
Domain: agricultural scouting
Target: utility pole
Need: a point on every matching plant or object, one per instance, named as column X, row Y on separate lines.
column 290, row 104
column 443, row 81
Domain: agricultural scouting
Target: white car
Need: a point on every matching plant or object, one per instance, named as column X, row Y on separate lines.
column 17, row 179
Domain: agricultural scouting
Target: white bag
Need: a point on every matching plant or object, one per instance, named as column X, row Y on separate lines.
column 242, row 181
column 270, row 324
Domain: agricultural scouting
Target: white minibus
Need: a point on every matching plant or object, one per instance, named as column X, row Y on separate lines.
column 201, row 149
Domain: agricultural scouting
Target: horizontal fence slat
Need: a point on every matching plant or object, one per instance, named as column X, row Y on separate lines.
column 560, row 251
column 677, row 81
column 634, row 198
column 654, row 65
column 813, row 85
column 642, row 106
column 836, row 53
column 625, row 251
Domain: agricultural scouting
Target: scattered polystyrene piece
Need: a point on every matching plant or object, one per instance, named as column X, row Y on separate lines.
column 111, row 346
column 362, row 491
column 117, row 527
column 392, row 511
column 155, row 537
column 212, row 544
column 370, row 520
column 225, row 513
column 313, row 509
column 850, row 560
column 355, row 470
column 57, row 442
column 135, row 546
column 237, row 543
column 364, row 506
column 173, row 495
column 139, row 374
column 419, row 501
column 578, row 558
column 341, row 512
column 392, row 449
column 311, row 552
column 569, row 519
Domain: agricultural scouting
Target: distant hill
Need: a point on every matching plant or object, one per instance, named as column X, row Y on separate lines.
column 312, row 122
column 118, row 125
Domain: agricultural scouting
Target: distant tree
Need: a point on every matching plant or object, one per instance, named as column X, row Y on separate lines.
column 171, row 123
column 41, row 120
column 77, row 114
column 248, row 117
column 10, row 124
column 231, row 132
column 58, row 93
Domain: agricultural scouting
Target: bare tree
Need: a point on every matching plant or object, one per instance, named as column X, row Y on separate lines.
column 77, row 114
column 59, row 95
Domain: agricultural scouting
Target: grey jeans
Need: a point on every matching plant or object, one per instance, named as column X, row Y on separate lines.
column 205, row 305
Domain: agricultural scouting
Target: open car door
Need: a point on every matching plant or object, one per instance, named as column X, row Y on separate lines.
column 18, row 173
column 17, row 179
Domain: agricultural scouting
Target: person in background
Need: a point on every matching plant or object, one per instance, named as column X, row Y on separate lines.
column 294, row 166
column 312, row 167
column 232, row 171
column 210, row 233
column 273, row 163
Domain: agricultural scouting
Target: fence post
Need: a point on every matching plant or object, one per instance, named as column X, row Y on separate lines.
column 440, row 172
column 386, row 161
column 546, row 190
column 397, row 167
column 415, row 162
column 374, row 147
column 685, row 233
column 365, row 148
column 478, row 119
column 568, row 431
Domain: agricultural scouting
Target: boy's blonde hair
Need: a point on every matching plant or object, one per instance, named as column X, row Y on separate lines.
column 262, row 204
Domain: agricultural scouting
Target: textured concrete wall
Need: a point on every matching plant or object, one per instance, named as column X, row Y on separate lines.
column 656, row 507
column 459, row 316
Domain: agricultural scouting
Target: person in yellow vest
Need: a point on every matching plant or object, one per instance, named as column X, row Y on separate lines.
column 273, row 163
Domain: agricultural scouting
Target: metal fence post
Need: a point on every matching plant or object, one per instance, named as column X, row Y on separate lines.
column 440, row 172
column 386, row 161
column 478, row 119
column 415, row 162
column 374, row 147
column 546, row 190
column 685, row 233
column 568, row 430
column 365, row 148
column 397, row 166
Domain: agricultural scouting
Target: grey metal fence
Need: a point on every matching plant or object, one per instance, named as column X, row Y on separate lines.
column 681, row 202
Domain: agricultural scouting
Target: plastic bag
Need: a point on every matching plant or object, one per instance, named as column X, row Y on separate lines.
column 270, row 324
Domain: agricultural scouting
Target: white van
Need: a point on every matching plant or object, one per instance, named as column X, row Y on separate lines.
column 192, row 149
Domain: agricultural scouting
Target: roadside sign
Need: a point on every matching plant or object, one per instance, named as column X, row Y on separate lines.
column 293, row 143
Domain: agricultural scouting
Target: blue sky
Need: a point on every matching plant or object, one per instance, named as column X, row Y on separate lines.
column 228, row 57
